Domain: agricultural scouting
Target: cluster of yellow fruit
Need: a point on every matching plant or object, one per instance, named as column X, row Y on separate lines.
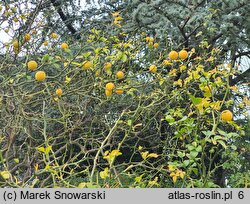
column 16, row 44
column 40, row 75
column 173, row 55
column 183, row 54
column 150, row 41
column 111, row 86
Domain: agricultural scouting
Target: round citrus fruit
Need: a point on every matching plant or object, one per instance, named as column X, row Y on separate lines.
column 87, row 65
column 153, row 69
column 108, row 92
column 151, row 39
column 120, row 74
column 53, row 35
column 27, row 37
column 226, row 115
column 183, row 54
column 156, row 45
column 32, row 65
column 59, row 92
column 64, row 46
column 110, row 86
column 45, row 43
column 173, row 55
column 119, row 91
column 40, row 76
column 107, row 66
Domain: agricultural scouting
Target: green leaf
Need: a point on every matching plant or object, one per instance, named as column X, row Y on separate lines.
column 186, row 162
column 181, row 154
column 217, row 137
column 233, row 147
column 199, row 149
column 129, row 122
column 170, row 119
column 119, row 55
column 57, row 66
column 222, row 132
column 183, row 119
column 193, row 154
column 124, row 57
column 223, row 144
column 195, row 100
column 190, row 147
column 86, row 54
column 207, row 133
column 195, row 170
column 45, row 58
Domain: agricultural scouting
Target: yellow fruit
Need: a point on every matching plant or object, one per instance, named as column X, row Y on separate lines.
column 153, row 69
column 108, row 92
column 119, row 91
column 64, row 46
column 150, row 44
column 107, row 66
column 32, row 65
column 120, row 75
column 45, row 43
column 87, row 65
column 53, row 35
column 156, row 45
column 151, row 40
column 97, row 73
column 59, row 92
column 183, row 54
column 110, row 86
column 27, row 37
column 173, row 55
column 40, row 76
column 226, row 115
column 16, row 44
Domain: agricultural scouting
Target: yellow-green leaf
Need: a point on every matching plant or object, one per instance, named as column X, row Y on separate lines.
column 5, row 174
column 41, row 149
column 152, row 155
column 104, row 174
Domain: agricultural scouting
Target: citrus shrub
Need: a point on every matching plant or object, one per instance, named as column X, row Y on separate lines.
column 165, row 120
